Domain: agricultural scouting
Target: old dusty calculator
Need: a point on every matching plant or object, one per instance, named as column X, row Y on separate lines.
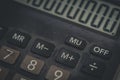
column 59, row 40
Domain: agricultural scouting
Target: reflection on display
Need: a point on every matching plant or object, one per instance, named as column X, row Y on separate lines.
column 94, row 14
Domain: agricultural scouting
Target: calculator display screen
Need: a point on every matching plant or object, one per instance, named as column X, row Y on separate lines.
column 94, row 14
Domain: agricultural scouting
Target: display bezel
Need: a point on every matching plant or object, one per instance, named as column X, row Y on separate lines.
column 117, row 33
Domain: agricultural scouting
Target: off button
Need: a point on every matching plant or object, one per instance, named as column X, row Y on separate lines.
column 101, row 52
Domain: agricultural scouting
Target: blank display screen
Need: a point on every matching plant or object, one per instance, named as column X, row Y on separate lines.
column 94, row 14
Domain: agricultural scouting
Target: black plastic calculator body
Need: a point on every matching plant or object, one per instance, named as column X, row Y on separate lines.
column 54, row 40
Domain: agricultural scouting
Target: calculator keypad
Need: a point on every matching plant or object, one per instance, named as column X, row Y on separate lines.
column 32, row 65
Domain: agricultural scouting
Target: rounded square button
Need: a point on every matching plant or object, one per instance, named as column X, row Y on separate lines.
column 43, row 48
column 76, row 42
column 101, row 52
column 56, row 73
column 68, row 58
column 32, row 65
column 93, row 67
column 19, row 39
column 8, row 55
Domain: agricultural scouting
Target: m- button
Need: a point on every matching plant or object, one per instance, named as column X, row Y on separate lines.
column 43, row 48
column 101, row 52
column 19, row 39
column 68, row 58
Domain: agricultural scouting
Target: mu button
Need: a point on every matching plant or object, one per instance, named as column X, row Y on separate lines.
column 76, row 42
column 68, row 58
column 19, row 39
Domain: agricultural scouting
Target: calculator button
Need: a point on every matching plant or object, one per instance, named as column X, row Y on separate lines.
column 2, row 31
column 101, row 52
column 56, row 73
column 3, row 73
column 32, row 64
column 43, row 48
column 8, row 55
column 19, row 39
column 76, row 42
column 20, row 77
column 93, row 67
column 68, row 58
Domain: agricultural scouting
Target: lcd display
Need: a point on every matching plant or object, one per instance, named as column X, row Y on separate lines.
column 94, row 14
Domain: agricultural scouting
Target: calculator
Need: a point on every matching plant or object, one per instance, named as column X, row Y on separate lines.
column 59, row 39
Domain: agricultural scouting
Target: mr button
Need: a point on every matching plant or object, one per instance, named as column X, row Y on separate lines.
column 76, row 42
column 19, row 39
column 101, row 52
column 68, row 58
